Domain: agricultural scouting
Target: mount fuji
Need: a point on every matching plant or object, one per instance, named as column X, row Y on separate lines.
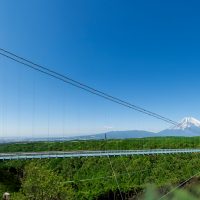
column 189, row 127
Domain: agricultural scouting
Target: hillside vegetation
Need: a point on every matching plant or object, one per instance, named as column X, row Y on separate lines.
column 143, row 143
column 98, row 178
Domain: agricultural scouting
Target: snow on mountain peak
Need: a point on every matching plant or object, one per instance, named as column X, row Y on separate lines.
column 188, row 122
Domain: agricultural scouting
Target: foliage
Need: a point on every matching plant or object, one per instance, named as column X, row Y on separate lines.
column 18, row 196
column 137, row 143
column 43, row 184
column 93, row 178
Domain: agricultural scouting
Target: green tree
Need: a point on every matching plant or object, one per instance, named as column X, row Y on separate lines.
column 41, row 183
column 18, row 196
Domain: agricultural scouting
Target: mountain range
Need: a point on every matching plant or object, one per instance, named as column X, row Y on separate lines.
column 188, row 127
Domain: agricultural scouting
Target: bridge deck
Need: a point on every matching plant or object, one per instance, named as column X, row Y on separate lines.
column 74, row 154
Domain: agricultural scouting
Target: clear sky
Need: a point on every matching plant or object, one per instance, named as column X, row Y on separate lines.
column 145, row 52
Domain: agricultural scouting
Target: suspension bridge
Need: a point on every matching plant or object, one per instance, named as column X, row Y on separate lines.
column 78, row 154
column 72, row 154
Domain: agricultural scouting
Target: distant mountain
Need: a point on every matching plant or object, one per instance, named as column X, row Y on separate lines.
column 116, row 135
column 188, row 123
column 126, row 134
column 189, row 127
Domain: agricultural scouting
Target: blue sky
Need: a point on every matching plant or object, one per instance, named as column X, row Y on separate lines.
column 145, row 52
